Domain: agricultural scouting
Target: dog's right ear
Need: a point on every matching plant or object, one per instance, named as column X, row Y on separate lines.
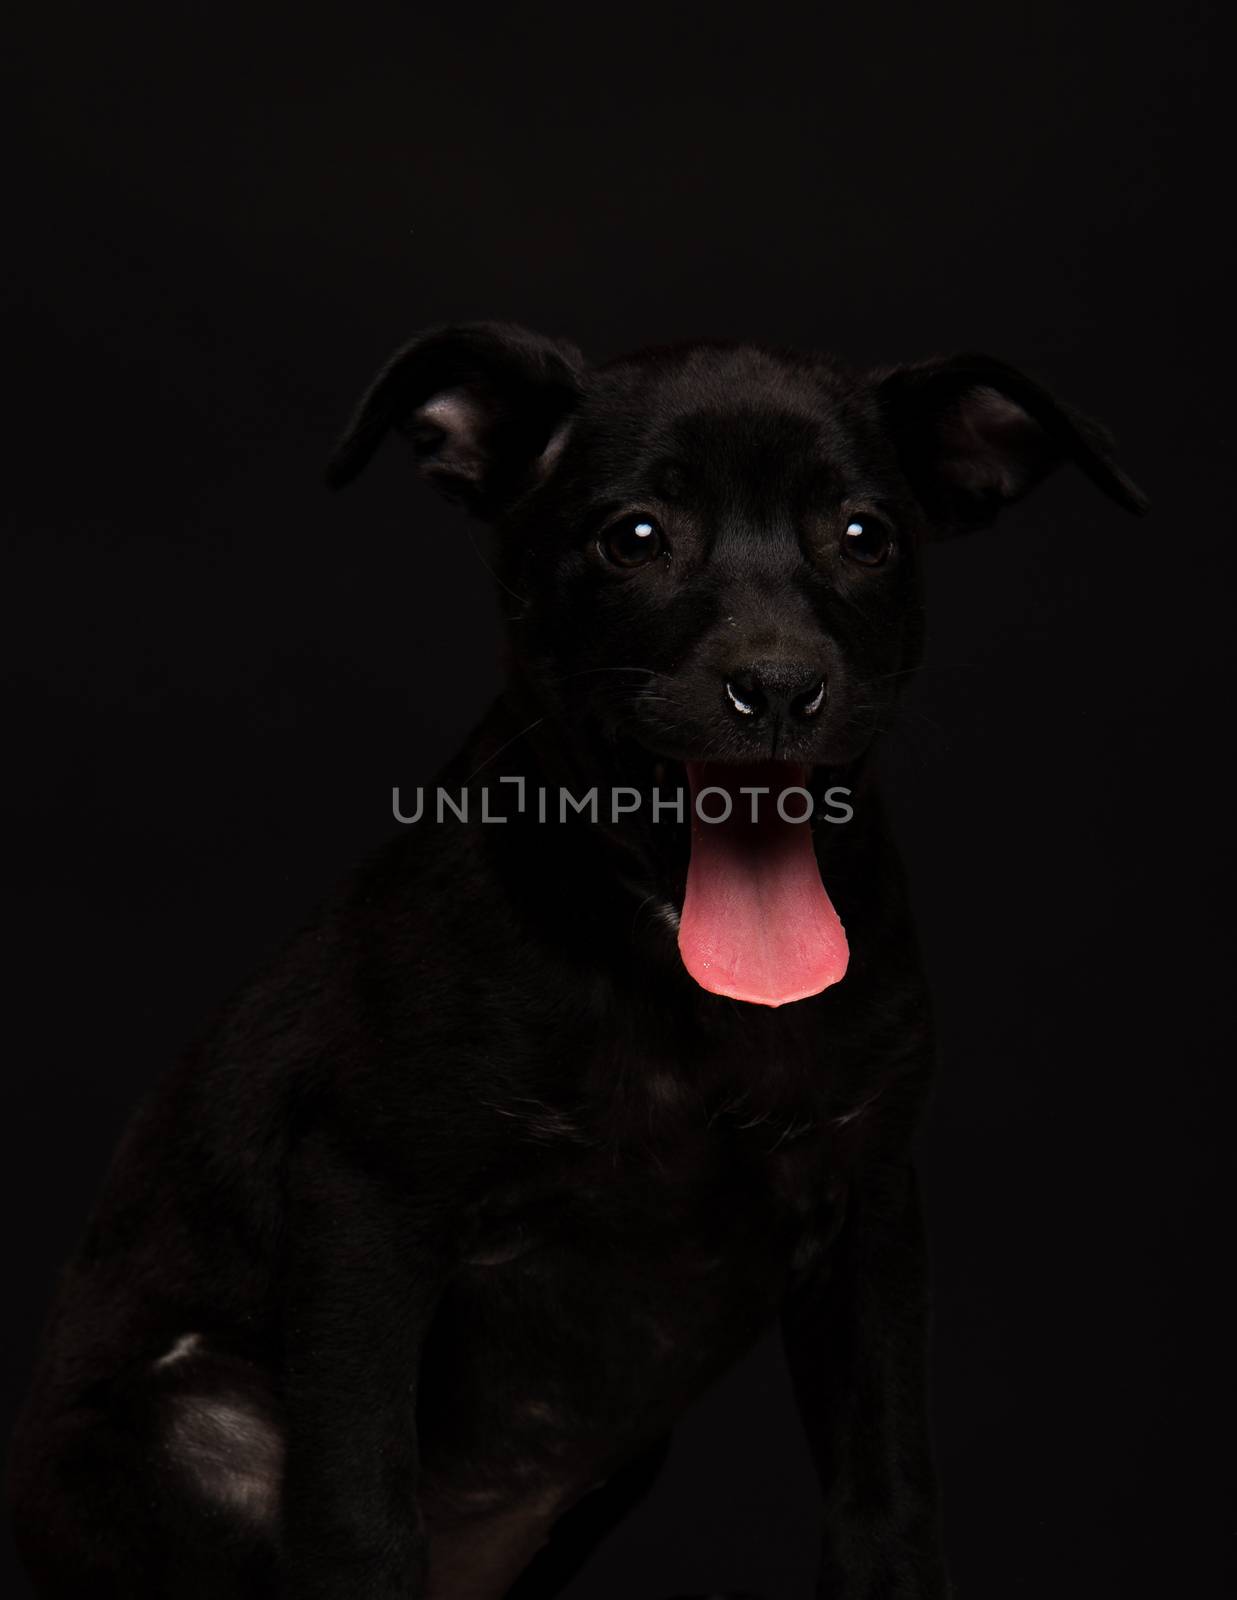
column 975, row 434
column 485, row 407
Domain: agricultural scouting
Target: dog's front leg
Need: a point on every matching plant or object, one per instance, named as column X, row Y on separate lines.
column 365, row 1270
column 855, row 1332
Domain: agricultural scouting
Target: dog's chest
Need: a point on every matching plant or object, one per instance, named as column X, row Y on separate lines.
column 649, row 1168
column 608, row 1281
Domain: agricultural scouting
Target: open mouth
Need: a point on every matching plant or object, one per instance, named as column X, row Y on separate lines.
column 756, row 921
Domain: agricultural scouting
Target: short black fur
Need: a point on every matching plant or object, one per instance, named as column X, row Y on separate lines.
column 402, row 1278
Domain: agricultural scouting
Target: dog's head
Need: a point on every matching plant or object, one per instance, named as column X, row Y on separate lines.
column 715, row 552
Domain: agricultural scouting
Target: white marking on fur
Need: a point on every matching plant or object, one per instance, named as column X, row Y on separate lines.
column 663, row 1088
column 668, row 915
column 188, row 1344
column 540, row 1411
column 233, row 1452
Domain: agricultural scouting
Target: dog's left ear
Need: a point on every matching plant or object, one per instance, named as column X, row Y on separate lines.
column 484, row 406
column 974, row 434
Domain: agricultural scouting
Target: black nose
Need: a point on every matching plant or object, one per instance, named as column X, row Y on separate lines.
column 788, row 690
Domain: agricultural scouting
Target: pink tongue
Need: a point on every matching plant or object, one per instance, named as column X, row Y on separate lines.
column 757, row 924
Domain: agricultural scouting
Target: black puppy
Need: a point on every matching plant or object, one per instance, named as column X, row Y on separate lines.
column 400, row 1281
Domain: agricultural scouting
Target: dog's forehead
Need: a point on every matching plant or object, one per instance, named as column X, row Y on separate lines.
column 696, row 416
column 678, row 381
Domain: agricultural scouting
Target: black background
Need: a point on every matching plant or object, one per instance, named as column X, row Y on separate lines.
column 223, row 217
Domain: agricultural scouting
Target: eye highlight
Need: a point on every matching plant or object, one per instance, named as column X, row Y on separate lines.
column 633, row 541
column 867, row 540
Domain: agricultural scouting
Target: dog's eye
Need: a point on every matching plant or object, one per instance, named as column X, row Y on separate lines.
column 867, row 540
column 632, row 542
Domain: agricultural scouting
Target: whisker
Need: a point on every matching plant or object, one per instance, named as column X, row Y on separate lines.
column 476, row 550
column 503, row 747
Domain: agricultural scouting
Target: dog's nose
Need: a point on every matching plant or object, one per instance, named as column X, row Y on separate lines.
column 788, row 690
